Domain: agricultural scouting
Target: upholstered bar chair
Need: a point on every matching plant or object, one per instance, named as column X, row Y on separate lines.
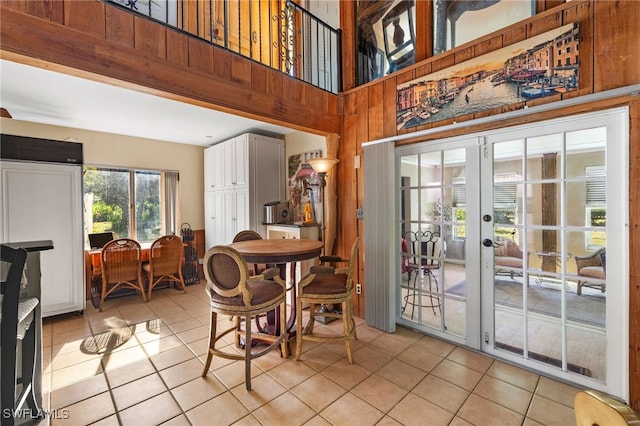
column 121, row 268
column 249, row 235
column 166, row 257
column 326, row 285
column 232, row 291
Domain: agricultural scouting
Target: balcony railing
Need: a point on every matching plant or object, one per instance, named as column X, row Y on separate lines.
column 277, row 33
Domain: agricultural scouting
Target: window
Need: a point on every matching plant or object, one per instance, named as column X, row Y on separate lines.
column 596, row 207
column 137, row 204
column 505, row 204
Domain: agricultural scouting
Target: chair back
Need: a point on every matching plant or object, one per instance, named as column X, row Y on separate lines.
column 11, row 268
column 121, row 260
column 226, row 272
column 426, row 244
column 353, row 258
column 431, row 252
column 166, row 255
column 247, row 235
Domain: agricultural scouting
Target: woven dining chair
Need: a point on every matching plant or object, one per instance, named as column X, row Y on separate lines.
column 249, row 235
column 326, row 285
column 232, row 291
column 121, row 267
column 166, row 256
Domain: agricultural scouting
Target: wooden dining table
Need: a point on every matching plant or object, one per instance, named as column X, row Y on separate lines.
column 280, row 252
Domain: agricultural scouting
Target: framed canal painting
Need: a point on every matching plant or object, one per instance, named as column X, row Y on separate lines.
column 540, row 66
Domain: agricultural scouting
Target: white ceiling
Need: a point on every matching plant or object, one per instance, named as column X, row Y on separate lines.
column 47, row 97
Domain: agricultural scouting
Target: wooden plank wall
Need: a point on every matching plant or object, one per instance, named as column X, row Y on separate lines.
column 97, row 40
column 609, row 58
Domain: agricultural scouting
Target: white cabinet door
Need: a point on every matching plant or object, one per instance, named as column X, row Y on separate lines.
column 242, row 210
column 214, row 164
column 241, row 160
column 44, row 202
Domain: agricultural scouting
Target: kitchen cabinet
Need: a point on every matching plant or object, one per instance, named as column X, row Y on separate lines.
column 241, row 175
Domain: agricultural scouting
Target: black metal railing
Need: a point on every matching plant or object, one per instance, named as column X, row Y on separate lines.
column 277, row 33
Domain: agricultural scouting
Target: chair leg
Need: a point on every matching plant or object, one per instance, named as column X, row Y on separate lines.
column 29, row 351
column 247, row 352
column 579, row 288
column 212, row 343
column 299, row 326
column 346, row 322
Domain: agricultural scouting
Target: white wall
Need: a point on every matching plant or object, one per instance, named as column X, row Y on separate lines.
column 105, row 149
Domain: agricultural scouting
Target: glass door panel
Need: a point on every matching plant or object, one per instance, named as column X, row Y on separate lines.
column 549, row 213
column 432, row 244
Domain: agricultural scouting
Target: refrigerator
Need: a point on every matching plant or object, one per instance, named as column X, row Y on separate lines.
column 41, row 199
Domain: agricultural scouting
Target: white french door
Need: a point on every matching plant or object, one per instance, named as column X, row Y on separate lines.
column 518, row 212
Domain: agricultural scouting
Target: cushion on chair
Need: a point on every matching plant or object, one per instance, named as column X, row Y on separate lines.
column 327, row 284
column 25, row 308
column 592, row 271
column 263, row 291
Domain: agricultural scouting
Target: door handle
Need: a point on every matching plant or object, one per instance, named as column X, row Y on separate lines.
column 487, row 243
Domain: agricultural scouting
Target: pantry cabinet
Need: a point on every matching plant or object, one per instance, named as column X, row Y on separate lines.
column 241, row 175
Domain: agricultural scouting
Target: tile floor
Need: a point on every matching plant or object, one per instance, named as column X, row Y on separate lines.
column 139, row 364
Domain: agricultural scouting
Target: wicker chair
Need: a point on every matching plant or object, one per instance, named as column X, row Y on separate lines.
column 233, row 292
column 592, row 266
column 166, row 257
column 326, row 285
column 121, row 267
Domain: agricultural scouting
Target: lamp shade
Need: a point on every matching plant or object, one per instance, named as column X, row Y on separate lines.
column 322, row 164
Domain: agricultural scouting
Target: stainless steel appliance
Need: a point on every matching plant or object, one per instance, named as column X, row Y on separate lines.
column 277, row 212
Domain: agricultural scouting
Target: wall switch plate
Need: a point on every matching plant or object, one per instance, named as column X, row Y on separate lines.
column 358, row 288
column 359, row 214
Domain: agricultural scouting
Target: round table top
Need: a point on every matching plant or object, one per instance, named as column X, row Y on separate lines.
column 278, row 250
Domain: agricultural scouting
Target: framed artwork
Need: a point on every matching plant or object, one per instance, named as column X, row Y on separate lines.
column 458, row 21
column 299, row 174
column 541, row 66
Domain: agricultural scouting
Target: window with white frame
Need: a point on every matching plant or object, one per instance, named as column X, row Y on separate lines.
column 596, row 207
column 137, row 204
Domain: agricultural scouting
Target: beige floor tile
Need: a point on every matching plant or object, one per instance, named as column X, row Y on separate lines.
column 388, row 345
column 286, row 409
column 556, row 391
column 317, row 421
column 152, row 411
column 66, row 324
column 70, row 358
column 413, row 410
column 550, row 412
column 78, row 391
column 166, row 343
column 402, row 374
column 529, row 422
column 112, row 420
column 319, row 357
column 457, row 374
column 75, row 373
column 119, row 359
column 76, row 334
column 514, row 375
column 318, row 392
column 129, row 372
column 182, row 373
column 435, row 346
column 371, row 358
column 457, row 421
column 199, row 347
column 180, row 420
column 470, row 359
column 194, row 334
column 342, row 411
column 505, row 394
column 197, row 391
column 138, row 391
column 388, row 421
column 85, row 412
column 291, row 373
column 171, row 357
column 264, row 389
column 481, row 411
column 233, row 374
column 184, row 325
column 379, row 392
column 419, row 358
column 345, row 374
column 441, row 393
column 225, row 409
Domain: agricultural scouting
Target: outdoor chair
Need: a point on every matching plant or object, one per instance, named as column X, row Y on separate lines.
column 592, row 266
